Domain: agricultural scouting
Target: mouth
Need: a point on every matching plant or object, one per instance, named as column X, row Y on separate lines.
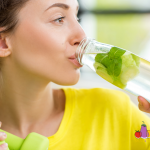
column 74, row 61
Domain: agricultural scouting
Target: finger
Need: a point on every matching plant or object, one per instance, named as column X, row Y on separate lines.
column 4, row 146
column 2, row 136
column 144, row 105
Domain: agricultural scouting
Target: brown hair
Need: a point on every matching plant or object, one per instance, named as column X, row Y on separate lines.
column 8, row 14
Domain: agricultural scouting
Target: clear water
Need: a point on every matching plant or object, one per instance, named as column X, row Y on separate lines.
column 139, row 85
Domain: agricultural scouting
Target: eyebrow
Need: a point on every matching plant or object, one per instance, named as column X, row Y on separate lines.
column 61, row 5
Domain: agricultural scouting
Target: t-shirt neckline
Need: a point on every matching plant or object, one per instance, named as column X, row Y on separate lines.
column 66, row 117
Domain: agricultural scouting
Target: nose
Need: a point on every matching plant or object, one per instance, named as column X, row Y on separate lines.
column 77, row 34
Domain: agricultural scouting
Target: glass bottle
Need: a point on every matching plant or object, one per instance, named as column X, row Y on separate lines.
column 116, row 65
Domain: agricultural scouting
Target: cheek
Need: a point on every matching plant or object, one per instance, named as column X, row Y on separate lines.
column 36, row 43
column 43, row 54
column 33, row 45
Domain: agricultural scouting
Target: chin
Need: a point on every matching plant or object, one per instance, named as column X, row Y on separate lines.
column 69, row 80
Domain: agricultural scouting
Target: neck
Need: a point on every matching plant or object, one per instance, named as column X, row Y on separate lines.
column 26, row 102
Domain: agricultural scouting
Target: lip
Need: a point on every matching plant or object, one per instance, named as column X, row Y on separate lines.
column 72, row 56
column 74, row 61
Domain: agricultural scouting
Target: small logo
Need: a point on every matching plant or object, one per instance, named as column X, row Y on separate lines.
column 143, row 133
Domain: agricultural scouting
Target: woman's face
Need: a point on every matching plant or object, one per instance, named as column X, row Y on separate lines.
column 47, row 35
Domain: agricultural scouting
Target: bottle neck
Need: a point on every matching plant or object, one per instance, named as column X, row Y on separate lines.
column 82, row 48
column 90, row 46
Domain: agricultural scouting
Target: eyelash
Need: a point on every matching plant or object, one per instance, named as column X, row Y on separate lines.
column 61, row 18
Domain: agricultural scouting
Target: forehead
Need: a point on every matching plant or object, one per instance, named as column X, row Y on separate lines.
column 35, row 9
column 43, row 4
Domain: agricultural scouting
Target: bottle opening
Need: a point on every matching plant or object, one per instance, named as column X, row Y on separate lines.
column 81, row 49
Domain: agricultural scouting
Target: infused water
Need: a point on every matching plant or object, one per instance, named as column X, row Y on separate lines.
column 117, row 66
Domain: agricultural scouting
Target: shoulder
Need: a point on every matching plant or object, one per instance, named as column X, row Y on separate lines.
column 100, row 94
column 99, row 97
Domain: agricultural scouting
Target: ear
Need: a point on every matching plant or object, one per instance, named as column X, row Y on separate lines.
column 4, row 46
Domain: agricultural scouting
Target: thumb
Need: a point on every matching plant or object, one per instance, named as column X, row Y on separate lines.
column 144, row 105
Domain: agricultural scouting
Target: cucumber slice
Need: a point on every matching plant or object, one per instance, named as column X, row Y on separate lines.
column 102, row 71
column 129, row 68
column 136, row 59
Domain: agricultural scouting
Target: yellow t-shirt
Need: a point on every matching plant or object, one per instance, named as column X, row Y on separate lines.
column 100, row 119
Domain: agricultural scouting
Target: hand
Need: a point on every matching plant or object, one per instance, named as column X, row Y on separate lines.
column 144, row 105
column 2, row 138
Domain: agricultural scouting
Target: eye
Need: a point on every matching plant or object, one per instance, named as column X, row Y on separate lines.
column 60, row 20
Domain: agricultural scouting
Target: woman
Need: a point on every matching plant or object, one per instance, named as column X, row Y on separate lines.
column 38, row 41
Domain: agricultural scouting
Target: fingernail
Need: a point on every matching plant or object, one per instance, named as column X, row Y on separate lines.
column 0, row 123
column 5, row 145
column 3, row 134
column 141, row 100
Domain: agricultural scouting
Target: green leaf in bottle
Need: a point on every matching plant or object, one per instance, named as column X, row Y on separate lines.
column 111, row 60
column 119, row 65
column 115, row 52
